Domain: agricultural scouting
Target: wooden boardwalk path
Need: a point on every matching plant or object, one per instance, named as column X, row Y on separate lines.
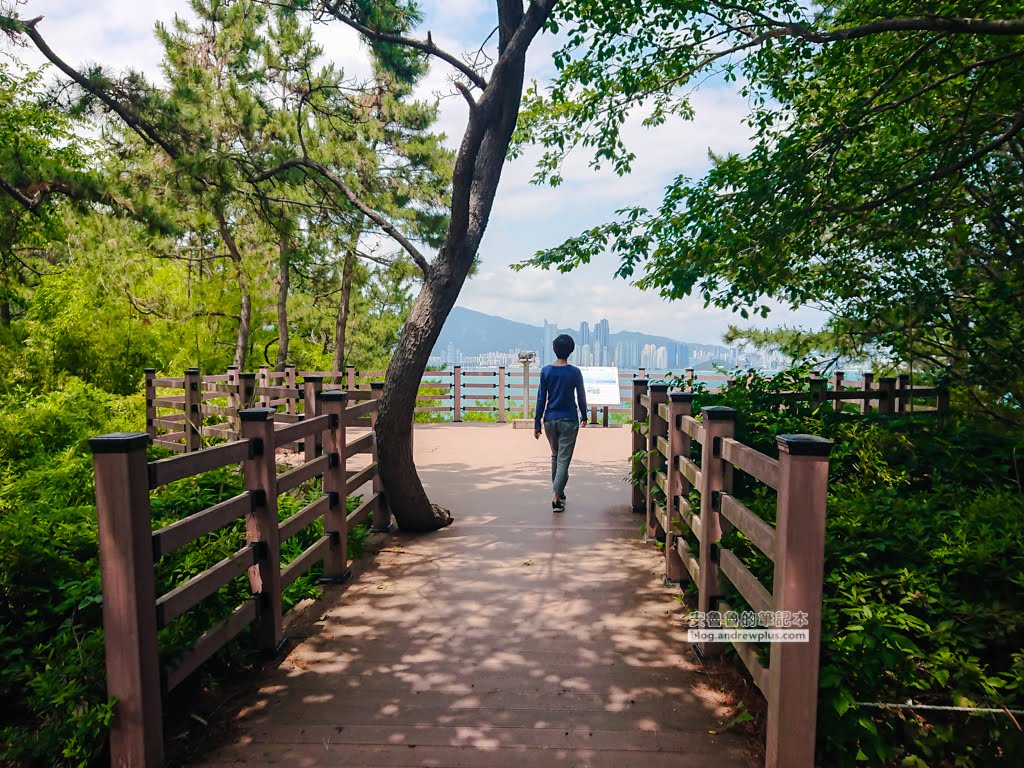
column 515, row 637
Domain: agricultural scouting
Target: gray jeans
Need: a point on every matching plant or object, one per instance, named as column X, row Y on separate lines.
column 561, row 435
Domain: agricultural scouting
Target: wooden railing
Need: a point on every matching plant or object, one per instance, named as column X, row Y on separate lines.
column 128, row 547
column 665, row 448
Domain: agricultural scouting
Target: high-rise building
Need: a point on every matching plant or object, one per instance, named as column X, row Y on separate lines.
column 547, row 356
column 451, row 354
column 584, row 333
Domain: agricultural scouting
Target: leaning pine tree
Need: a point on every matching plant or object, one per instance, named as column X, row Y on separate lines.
column 494, row 95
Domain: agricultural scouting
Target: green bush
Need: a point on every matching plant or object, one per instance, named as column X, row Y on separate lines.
column 53, row 705
column 924, row 579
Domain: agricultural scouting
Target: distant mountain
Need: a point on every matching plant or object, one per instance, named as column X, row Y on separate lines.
column 476, row 333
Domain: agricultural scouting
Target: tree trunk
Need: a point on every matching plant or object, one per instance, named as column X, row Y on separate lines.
column 345, row 306
column 245, row 316
column 284, row 269
column 478, row 167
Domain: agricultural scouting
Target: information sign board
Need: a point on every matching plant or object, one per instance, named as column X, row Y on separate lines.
column 601, row 386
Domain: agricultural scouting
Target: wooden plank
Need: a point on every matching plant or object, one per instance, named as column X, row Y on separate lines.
column 211, row 641
column 693, row 428
column 758, row 672
column 169, row 422
column 645, row 401
column 687, row 515
column 360, row 513
column 310, row 557
column 748, row 655
column 216, row 410
column 436, row 409
column 479, row 408
column 362, row 444
column 663, row 411
column 661, row 480
column 287, row 418
column 357, row 479
column 173, row 537
column 661, row 513
column 301, row 430
column 753, row 591
column 479, row 373
column 284, row 392
column 305, row 471
column 304, row 517
column 173, row 604
column 359, row 411
column 221, row 389
column 754, row 463
column 177, row 447
column 690, row 471
column 177, row 401
column 752, row 526
column 692, row 566
column 478, row 385
column 215, row 378
column 177, row 467
column 662, row 445
column 171, row 383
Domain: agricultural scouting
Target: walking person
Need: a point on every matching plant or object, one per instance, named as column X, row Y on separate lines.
column 559, row 396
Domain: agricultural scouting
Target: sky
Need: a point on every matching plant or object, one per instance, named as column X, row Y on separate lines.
column 525, row 218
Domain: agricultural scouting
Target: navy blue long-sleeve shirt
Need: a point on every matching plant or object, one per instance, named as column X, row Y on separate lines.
column 560, row 392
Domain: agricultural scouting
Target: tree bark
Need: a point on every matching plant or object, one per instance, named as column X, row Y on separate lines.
column 284, row 269
column 245, row 315
column 345, row 305
column 478, row 169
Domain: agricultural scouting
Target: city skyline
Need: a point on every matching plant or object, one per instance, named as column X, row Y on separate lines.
column 594, row 349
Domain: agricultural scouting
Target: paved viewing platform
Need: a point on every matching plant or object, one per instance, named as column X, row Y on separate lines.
column 514, row 637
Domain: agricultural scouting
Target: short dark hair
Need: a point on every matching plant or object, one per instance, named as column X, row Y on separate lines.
column 563, row 346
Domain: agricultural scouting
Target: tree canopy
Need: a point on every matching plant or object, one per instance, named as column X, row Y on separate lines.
column 883, row 183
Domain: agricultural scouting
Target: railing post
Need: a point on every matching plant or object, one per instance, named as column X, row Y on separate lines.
column 150, row 407
column 799, row 571
column 655, row 460
column 904, row 393
column 942, row 399
column 638, row 503
column 716, row 477
column 336, row 568
column 289, row 382
column 866, row 386
column 312, row 386
column 837, row 387
column 193, row 410
column 688, row 376
column 887, row 394
column 501, row 395
column 246, row 392
column 234, row 397
column 457, row 393
column 263, row 379
column 350, row 377
column 129, row 598
column 382, row 514
column 261, row 527
column 818, row 391
column 680, row 404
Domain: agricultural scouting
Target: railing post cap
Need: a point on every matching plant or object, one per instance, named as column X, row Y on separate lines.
column 247, row 375
column 232, row 367
column 640, row 382
column 869, row 373
column 376, row 385
column 840, row 374
column 718, row 413
column 332, row 395
column 119, row 442
column 149, row 370
column 659, row 387
column 313, row 379
column 682, row 397
column 804, row 445
column 256, row 414
column 816, row 379
column 887, row 379
column 191, row 371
